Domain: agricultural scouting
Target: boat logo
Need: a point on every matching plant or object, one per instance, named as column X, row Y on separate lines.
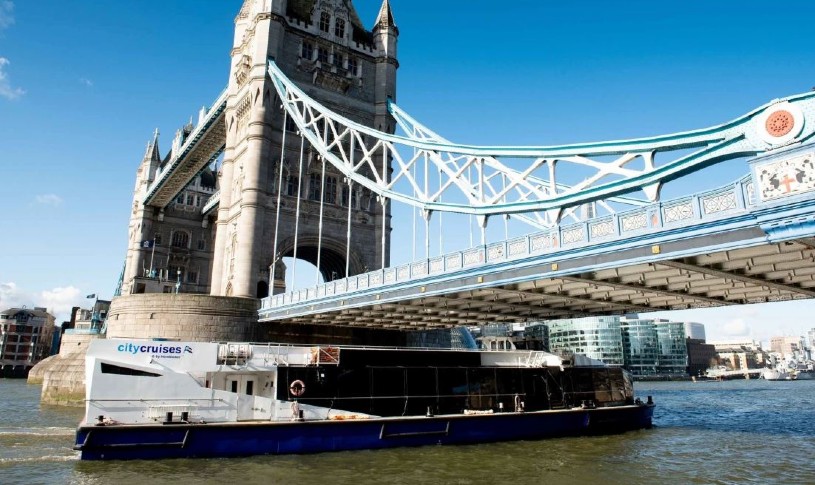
column 156, row 350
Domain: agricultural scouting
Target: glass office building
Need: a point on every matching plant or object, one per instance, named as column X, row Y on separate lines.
column 640, row 346
column 673, row 350
column 595, row 337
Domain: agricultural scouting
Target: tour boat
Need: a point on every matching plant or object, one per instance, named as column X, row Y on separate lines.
column 148, row 399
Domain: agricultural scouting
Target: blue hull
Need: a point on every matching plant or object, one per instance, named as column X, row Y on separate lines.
column 125, row 442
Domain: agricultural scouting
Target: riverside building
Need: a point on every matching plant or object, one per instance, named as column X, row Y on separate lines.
column 25, row 339
column 596, row 337
column 643, row 346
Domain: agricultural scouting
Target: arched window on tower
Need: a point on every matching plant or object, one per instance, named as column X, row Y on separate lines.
column 181, row 239
column 339, row 28
column 331, row 190
column 307, row 51
column 322, row 55
column 325, row 22
column 314, row 186
column 291, row 186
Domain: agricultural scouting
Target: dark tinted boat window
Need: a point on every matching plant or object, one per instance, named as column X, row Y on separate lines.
column 125, row 371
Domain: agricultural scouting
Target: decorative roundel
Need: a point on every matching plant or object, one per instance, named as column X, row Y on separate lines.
column 780, row 123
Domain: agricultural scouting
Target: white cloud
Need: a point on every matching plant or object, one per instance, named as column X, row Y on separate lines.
column 736, row 327
column 49, row 199
column 6, row 13
column 86, row 82
column 6, row 90
column 11, row 296
column 57, row 301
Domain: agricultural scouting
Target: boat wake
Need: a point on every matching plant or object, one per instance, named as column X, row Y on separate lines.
column 39, row 459
column 46, row 431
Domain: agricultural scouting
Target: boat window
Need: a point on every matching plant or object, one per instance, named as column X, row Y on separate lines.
column 125, row 371
column 234, row 386
column 250, row 387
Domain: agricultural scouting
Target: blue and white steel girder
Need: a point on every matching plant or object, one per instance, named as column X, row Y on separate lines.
column 718, row 215
column 717, row 211
column 192, row 141
column 734, row 139
column 417, row 131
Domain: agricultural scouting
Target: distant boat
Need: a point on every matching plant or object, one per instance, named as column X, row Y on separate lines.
column 769, row 374
column 805, row 375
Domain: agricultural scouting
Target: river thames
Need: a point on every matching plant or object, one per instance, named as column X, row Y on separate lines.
column 707, row 433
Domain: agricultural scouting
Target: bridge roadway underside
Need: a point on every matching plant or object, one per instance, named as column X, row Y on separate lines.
column 672, row 276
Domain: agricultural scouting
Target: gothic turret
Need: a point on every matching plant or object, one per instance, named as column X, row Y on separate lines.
column 385, row 35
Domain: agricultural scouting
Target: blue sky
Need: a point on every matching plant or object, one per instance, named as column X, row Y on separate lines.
column 83, row 84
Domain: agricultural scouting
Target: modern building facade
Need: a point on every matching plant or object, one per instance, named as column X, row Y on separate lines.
column 644, row 346
column 695, row 331
column 640, row 346
column 596, row 337
column 701, row 356
column 673, row 349
column 25, row 339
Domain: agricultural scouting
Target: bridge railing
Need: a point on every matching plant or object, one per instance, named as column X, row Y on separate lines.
column 737, row 197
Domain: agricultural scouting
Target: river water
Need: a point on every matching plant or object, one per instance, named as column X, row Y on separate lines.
column 707, row 433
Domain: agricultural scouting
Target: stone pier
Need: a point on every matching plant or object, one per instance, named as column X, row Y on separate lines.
column 200, row 318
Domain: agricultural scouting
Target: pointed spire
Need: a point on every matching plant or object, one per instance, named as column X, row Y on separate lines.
column 385, row 17
column 152, row 153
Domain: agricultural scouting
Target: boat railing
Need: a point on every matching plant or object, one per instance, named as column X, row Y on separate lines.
column 325, row 355
column 536, row 359
column 170, row 399
column 235, row 354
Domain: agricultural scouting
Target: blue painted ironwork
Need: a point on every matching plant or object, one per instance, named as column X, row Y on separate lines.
column 738, row 138
column 180, row 158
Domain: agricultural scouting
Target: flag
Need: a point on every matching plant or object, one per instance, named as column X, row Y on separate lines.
column 147, row 244
column 92, row 295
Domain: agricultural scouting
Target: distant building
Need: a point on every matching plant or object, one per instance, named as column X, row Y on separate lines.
column 673, row 350
column 811, row 336
column 701, row 356
column 640, row 346
column 740, row 354
column 695, row 331
column 595, row 337
column 643, row 346
column 753, row 345
column 25, row 339
column 787, row 346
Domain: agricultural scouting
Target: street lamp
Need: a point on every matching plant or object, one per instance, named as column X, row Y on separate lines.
column 178, row 280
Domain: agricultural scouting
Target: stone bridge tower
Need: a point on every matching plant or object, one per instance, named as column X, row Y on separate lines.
column 322, row 46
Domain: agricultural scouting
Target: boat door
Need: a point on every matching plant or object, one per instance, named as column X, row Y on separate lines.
column 242, row 384
column 245, row 386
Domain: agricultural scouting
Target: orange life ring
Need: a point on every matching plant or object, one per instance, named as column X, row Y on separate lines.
column 297, row 388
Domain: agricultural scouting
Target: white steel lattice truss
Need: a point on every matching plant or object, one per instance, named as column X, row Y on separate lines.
column 476, row 179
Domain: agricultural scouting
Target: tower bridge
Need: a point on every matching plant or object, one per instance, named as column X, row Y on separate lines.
column 316, row 154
